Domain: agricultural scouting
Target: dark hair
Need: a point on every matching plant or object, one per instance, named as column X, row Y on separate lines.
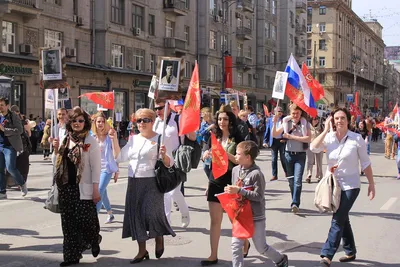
column 249, row 148
column 232, row 124
column 75, row 113
column 63, row 109
column 5, row 100
column 348, row 115
column 250, row 108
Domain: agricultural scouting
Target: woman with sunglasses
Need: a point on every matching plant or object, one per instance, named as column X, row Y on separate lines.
column 105, row 137
column 228, row 136
column 314, row 158
column 77, row 177
column 144, row 216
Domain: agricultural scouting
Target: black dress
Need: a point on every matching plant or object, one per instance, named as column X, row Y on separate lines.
column 79, row 221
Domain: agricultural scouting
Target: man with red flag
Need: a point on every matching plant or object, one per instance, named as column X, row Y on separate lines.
column 317, row 90
column 249, row 185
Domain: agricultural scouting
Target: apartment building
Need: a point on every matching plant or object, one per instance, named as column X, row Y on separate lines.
column 108, row 45
column 246, row 31
column 345, row 52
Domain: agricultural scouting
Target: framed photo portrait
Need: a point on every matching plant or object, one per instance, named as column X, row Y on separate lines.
column 280, row 85
column 51, row 64
column 63, row 94
column 169, row 75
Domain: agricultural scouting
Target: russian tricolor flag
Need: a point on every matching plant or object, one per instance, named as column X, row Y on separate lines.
column 297, row 88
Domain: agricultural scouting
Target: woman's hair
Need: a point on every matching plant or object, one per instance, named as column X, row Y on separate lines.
column 75, row 113
column 107, row 126
column 243, row 112
column 348, row 115
column 294, row 107
column 232, row 121
column 206, row 112
column 145, row 112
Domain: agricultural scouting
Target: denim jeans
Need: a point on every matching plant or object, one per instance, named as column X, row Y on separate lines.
column 105, row 178
column 341, row 228
column 369, row 144
column 259, row 242
column 276, row 147
column 295, row 167
column 8, row 158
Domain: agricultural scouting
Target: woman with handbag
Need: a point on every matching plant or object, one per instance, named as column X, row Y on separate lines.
column 77, row 177
column 226, row 134
column 104, row 135
column 144, row 216
column 345, row 150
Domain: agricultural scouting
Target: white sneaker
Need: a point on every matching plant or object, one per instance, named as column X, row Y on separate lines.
column 3, row 196
column 24, row 190
column 185, row 221
column 295, row 209
column 110, row 218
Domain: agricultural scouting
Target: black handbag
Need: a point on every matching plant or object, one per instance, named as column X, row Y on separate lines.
column 167, row 179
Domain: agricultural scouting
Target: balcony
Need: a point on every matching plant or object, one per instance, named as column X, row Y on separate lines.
column 300, row 52
column 270, row 42
column 176, row 7
column 301, row 29
column 175, row 45
column 243, row 63
column 244, row 33
column 301, row 7
column 248, row 6
column 28, row 9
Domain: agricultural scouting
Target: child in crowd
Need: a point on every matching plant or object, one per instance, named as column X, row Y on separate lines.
column 250, row 174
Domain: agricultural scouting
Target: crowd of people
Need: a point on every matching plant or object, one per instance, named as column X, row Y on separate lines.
column 86, row 154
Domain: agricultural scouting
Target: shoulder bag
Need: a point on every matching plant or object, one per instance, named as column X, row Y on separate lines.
column 51, row 202
column 167, row 179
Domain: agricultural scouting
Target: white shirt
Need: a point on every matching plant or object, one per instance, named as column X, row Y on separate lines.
column 171, row 131
column 142, row 155
column 353, row 154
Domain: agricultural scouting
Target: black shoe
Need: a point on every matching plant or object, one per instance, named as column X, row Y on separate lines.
column 69, row 263
column 160, row 252
column 284, row 262
column 247, row 253
column 347, row 258
column 137, row 260
column 208, row 263
column 96, row 247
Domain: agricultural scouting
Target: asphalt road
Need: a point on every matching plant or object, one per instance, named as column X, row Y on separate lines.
column 31, row 236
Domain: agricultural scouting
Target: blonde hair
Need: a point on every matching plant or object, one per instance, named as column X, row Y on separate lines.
column 234, row 103
column 148, row 113
column 106, row 128
column 293, row 107
column 206, row 112
column 243, row 112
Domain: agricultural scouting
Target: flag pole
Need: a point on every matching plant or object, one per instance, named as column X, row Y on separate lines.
column 165, row 121
column 113, row 111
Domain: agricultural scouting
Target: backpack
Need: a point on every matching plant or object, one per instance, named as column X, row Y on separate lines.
column 192, row 149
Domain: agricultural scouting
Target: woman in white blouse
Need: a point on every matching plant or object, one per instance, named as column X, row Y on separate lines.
column 345, row 150
column 144, row 216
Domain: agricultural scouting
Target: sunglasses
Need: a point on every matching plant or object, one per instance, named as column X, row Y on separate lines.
column 80, row 121
column 159, row 108
column 144, row 120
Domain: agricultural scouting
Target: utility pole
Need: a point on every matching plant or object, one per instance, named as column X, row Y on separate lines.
column 222, row 48
column 315, row 58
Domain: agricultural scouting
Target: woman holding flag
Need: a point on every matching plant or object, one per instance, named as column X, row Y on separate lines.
column 228, row 137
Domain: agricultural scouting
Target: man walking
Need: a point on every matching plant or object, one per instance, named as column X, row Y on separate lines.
column 10, row 144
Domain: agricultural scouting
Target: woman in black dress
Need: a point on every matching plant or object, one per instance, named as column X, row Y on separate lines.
column 77, row 177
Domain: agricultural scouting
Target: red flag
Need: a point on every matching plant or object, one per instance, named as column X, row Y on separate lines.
column 219, row 158
column 297, row 97
column 190, row 117
column 105, row 99
column 240, row 213
column 266, row 112
column 228, row 72
column 317, row 90
column 395, row 108
column 354, row 111
column 356, row 98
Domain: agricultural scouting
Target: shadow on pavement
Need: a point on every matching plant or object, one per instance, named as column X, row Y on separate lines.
column 17, row 231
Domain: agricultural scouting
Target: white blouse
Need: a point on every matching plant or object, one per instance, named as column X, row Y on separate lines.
column 353, row 154
column 142, row 155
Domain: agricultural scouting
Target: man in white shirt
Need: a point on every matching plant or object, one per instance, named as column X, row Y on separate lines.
column 171, row 132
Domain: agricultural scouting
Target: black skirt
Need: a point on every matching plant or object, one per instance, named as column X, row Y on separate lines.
column 217, row 186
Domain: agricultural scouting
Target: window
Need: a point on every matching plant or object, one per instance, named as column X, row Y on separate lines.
column 186, row 3
column 52, row 38
column 273, row 35
column 187, row 69
column 290, row 40
column 153, row 63
column 309, row 28
column 267, row 56
column 291, row 17
column 273, row 7
column 250, row 79
column 117, row 56
column 309, row 11
column 273, row 57
column 249, row 55
column 309, row 62
column 321, row 78
column 75, row 7
column 322, row 44
column 322, row 27
column 267, row 5
column 213, row 41
column 138, row 59
column 152, row 23
column 117, row 11
column 322, row 10
column 267, row 32
column 56, row 2
column 240, row 50
column 8, row 37
column 224, row 42
column 322, row 61
column 240, row 78
column 187, row 34
column 137, row 17
column 213, row 7
column 169, row 28
column 266, row 81
column 213, row 73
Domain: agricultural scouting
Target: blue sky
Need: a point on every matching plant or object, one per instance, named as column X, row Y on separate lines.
column 387, row 12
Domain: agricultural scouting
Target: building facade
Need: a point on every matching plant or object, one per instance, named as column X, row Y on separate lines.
column 345, row 53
